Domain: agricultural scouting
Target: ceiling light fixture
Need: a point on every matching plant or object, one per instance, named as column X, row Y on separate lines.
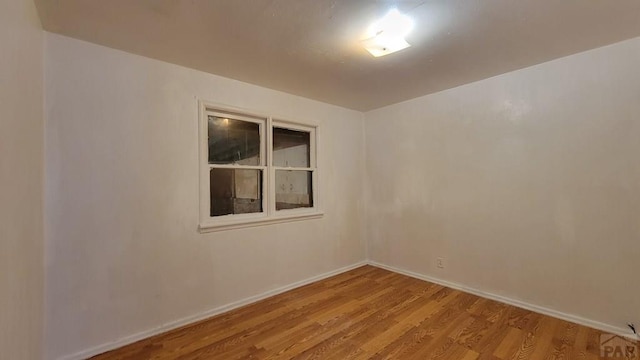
column 386, row 35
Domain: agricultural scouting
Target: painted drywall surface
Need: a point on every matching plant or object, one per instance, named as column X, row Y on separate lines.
column 527, row 184
column 123, row 254
column 21, row 181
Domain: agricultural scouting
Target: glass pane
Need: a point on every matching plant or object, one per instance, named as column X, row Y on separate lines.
column 293, row 189
column 291, row 148
column 233, row 141
column 235, row 191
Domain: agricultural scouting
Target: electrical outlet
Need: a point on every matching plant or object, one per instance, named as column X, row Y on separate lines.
column 440, row 263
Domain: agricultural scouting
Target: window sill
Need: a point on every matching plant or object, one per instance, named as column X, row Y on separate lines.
column 213, row 225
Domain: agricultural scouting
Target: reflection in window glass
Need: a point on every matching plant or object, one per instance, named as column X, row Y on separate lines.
column 291, row 148
column 293, row 189
column 235, row 191
column 233, row 141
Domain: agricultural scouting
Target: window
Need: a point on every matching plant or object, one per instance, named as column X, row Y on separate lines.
column 236, row 163
column 255, row 169
column 292, row 165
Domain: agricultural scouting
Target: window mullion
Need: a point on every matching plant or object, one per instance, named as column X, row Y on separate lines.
column 270, row 173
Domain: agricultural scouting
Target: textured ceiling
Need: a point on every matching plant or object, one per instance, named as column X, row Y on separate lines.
column 311, row 47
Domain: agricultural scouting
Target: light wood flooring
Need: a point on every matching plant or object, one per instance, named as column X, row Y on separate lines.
column 370, row 313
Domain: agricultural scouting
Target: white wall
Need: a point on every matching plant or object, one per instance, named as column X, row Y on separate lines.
column 123, row 254
column 21, row 177
column 527, row 184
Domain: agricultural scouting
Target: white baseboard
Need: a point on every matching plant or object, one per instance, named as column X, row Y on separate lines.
column 521, row 304
column 84, row 354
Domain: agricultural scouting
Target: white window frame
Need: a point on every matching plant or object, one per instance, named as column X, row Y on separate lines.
column 283, row 124
column 269, row 214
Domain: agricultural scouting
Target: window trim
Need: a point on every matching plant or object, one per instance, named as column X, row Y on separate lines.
column 269, row 215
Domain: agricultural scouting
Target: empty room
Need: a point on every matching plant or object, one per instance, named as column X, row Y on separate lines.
column 319, row 179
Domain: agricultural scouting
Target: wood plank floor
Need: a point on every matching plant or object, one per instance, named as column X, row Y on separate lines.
column 370, row 313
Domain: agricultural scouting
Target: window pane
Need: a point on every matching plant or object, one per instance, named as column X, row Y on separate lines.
column 235, row 191
column 291, row 148
column 233, row 141
column 293, row 189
